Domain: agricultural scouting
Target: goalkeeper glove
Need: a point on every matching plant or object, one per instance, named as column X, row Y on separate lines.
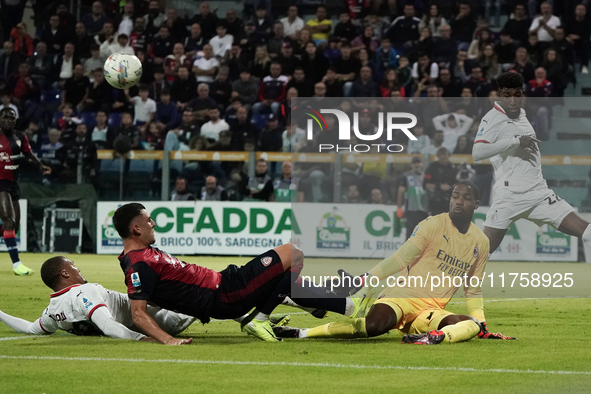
column 484, row 334
column 351, row 285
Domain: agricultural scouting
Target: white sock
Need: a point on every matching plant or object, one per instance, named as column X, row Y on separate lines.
column 15, row 265
column 241, row 318
column 261, row 316
column 349, row 306
column 587, row 235
column 303, row 333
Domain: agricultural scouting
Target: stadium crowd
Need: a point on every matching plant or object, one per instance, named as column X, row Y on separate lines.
column 226, row 83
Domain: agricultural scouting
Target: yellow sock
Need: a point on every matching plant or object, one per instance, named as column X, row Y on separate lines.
column 355, row 329
column 461, row 331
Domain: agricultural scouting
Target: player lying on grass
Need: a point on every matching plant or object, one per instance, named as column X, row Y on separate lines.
column 83, row 308
column 154, row 276
column 446, row 245
column 507, row 138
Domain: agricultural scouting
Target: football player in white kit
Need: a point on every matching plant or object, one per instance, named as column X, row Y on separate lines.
column 506, row 137
column 83, row 308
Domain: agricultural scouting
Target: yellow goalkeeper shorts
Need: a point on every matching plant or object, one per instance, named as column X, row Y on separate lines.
column 415, row 316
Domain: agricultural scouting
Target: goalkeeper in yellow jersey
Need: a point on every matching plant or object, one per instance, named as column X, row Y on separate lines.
column 444, row 252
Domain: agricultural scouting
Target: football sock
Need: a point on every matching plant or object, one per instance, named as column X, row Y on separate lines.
column 355, row 329
column 461, row 331
column 278, row 294
column 587, row 236
column 261, row 316
column 10, row 241
column 241, row 318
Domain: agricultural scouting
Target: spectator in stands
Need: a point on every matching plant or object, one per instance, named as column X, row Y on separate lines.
column 315, row 64
column 154, row 76
column 261, row 64
column 41, row 66
column 545, row 24
column 119, row 45
column 352, row 196
column 222, row 42
column 206, row 67
column 412, row 196
column 139, row 38
column 453, row 126
column 93, row 62
column 107, row 33
column 184, row 88
column 463, row 147
column 284, row 185
column 365, row 41
column 212, row 191
column 287, row 59
column 173, row 61
column 438, row 181
column 450, row 85
column 321, row 27
column 178, row 138
column 272, row 91
column 143, row 108
column 54, row 36
column 419, row 145
column 22, row 87
column 376, row 21
column 65, row 65
column 181, row 191
column 9, row 62
column 95, row 20
column 162, row 44
column 177, row 27
column 540, row 87
column 386, row 58
column 48, row 152
column 424, row 71
column 345, row 29
column 221, row 89
column 463, row 25
column 99, row 94
column 489, row 63
column 154, row 138
column 578, row 31
column 242, row 129
column 166, row 114
column 102, row 135
column 33, row 134
column 234, row 24
column 377, row 197
column 522, row 64
column 365, row 85
column 82, row 42
column 303, row 85
column 404, row 29
column 276, row 40
column 564, row 48
column 423, row 45
column 250, row 40
column 518, row 26
column 126, row 20
column 334, row 87
column 260, row 187
column 477, row 45
column 347, row 68
column 445, row 49
column 263, row 21
column 5, row 101
column 436, row 143
column 128, row 131
column 293, row 137
column 194, row 42
column 292, row 23
column 23, row 44
column 555, row 72
column 67, row 123
column 246, row 88
column 76, row 87
column 478, row 85
column 434, row 21
column 154, row 18
column 271, row 138
column 202, row 103
column 80, row 150
column 212, row 129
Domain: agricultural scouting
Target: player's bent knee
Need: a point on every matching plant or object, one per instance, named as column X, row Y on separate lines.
column 291, row 256
column 380, row 320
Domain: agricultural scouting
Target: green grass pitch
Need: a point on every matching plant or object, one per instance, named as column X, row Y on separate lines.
column 552, row 355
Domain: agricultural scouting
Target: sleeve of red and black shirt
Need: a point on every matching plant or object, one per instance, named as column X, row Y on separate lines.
column 141, row 280
column 25, row 146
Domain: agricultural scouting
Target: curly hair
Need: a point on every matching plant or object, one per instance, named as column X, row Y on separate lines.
column 510, row 80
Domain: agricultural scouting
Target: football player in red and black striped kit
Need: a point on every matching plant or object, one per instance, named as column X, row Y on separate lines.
column 14, row 145
column 154, row 276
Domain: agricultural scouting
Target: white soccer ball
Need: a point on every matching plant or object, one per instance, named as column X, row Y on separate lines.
column 122, row 70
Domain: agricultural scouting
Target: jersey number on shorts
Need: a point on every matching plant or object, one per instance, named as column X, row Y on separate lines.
column 551, row 201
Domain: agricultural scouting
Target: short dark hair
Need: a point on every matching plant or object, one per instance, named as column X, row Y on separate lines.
column 51, row 269
column 123, row 217
column 510, row 80
column 475, row 189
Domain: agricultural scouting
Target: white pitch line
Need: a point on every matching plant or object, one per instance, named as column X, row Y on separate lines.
column 295, row 364
column 21, row 337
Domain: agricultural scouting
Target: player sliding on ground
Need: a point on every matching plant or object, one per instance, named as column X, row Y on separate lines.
column 507, row 138
column 83, row 308
column 154, row 276
column 448, row 246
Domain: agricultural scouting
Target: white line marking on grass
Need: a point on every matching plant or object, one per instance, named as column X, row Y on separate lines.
column 295, row 364
column 21, row 337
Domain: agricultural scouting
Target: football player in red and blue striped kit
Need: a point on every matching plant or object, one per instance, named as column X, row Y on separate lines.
column 154, row 276
column 13, row 146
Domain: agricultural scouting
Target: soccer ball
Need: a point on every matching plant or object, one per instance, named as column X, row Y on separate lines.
column 122, row 70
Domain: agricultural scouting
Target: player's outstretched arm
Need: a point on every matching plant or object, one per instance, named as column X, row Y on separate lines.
column 112, row 328
column 484, row 149
column 148, row 325
column 22, row 325
column 33, row 161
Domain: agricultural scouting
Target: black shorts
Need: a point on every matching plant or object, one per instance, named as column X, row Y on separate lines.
column 247, row 287
column 11, row 187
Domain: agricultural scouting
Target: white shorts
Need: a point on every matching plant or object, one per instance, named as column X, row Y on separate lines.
column 540, row 206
